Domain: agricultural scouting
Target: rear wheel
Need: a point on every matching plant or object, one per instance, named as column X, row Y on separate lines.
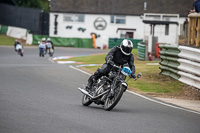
column 86, row 100
column 110, row 103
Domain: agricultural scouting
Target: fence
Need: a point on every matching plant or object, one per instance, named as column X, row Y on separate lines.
column 3, row 29
column 194, row 29
column 66, row 42
column 28, row 18
column 181, row 63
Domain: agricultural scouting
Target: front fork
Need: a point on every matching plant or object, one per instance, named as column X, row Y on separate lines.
column 116, row 82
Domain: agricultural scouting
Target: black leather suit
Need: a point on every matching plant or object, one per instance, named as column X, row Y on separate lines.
column 118, row 58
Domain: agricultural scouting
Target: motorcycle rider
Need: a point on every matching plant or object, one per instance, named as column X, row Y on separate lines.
column 50, row 44
column 119, row 55
column 42, row 45
column 17, row 43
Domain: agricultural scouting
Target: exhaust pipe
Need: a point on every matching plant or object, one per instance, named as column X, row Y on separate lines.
column 85, row 92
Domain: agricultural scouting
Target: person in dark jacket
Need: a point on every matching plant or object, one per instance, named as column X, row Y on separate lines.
column 49, row 41
column 196, row 7
column 119, row 55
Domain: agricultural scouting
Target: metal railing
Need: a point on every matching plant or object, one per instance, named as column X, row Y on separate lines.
column 181, row 63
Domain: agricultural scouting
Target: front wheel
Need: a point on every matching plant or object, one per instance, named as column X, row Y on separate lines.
column 110, row 103
column 86, row 100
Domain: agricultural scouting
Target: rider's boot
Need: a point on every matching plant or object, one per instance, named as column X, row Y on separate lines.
column 93, row 79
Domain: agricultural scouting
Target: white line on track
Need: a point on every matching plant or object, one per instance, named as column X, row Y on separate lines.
column 50, row 59
column 79, row 70
column 172, row 106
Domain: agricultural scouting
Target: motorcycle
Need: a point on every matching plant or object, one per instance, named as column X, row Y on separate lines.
column 50, row 49
column 108, row 90
column 51, row 52
column 42, row 52
column 20, row 50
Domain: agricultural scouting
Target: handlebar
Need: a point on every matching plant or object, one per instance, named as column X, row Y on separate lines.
column 113, row 64
column 116, row 66
column 119, row 67
column 138, row 76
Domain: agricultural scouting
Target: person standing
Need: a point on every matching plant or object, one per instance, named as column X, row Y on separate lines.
column 93, row 40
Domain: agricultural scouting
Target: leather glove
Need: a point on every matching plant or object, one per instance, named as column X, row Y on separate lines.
column 133, row 76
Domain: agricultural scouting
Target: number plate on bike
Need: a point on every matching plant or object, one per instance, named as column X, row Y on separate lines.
column 126, row 71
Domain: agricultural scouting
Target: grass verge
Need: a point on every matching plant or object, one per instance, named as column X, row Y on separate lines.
column 6, row 41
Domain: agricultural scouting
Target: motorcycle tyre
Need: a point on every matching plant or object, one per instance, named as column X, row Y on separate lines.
column 117, row 98
column 50, row 55
column 86, row 101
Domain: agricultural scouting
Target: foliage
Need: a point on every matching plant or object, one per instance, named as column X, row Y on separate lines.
column 5, row 40
column 40, row 4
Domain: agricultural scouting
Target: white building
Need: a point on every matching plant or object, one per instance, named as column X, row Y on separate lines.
column 118, row 19
column 82, row 25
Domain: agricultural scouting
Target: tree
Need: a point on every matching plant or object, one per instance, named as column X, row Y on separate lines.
column 40, row 4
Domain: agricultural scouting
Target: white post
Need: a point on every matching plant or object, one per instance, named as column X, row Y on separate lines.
column 150, row 44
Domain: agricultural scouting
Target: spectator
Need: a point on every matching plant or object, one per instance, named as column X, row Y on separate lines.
column 196, row 6
column 93, row 40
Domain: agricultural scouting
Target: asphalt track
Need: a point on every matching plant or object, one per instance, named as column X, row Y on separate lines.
column 38, row 96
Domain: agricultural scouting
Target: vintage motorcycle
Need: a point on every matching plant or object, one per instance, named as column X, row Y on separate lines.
column 108, row 90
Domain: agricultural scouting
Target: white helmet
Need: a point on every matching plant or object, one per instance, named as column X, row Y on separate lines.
column 43, row 39
column 48, row 39
column 126, row 47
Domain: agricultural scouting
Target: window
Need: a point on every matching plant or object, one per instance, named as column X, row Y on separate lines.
column 74, row 18
column 117, row 19
column 166, row 18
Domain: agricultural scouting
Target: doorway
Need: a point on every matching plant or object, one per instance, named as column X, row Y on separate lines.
column 129, row 34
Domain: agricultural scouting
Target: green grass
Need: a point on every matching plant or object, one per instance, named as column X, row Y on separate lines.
column 150, row 82
column 7, row 41
column 95, row 59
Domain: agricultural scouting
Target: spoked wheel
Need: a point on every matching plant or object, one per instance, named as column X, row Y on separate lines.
column 110, row 103
column 86, row 100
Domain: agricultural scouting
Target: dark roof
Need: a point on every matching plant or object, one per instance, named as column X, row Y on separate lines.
column 122, row 7
column 159, row 22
